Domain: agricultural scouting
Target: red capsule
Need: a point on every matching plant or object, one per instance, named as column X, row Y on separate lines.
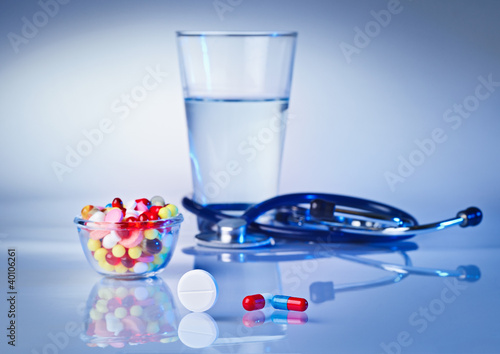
column 143, row 217
column 117, row 203
column 256, row 302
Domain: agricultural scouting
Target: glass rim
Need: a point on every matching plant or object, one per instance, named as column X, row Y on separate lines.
column 236, row 33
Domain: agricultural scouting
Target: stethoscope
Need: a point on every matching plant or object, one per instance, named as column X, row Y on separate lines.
column 312, row 217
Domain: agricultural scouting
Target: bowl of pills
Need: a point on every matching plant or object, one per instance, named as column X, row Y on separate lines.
column 129, row 240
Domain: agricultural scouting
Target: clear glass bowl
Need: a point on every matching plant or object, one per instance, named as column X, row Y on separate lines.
column 147, row 246
column 121, row 313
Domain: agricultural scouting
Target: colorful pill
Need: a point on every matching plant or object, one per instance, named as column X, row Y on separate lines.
column 282, row 302
column 294, row 318
column 256, row 302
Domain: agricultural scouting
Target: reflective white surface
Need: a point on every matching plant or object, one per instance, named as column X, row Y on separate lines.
column 369, row 310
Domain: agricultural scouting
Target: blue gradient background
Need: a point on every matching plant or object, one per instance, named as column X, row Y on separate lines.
column 350, row 121
column 349, row 124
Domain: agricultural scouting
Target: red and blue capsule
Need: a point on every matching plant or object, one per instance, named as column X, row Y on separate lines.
column 257, row 301
column 282, row 302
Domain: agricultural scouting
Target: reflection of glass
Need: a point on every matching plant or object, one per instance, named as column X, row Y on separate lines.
column 236, row 90
column 121, row 312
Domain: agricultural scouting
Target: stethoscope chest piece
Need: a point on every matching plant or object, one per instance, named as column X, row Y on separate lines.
column 231, row 233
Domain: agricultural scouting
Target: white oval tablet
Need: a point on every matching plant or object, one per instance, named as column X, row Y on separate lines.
column 197, row 290
column 198, row 330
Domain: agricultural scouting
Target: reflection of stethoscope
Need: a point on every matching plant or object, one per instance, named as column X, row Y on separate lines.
column 325, row 291
column 329, row 218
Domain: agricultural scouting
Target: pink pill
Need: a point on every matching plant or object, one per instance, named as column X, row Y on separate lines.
column 114, row 215
column 146, row 258
column 141, row 207
column 98, row 234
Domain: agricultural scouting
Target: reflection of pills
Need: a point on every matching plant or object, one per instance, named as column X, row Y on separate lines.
column 141, row 293
column 197, row 290
column 198, row 330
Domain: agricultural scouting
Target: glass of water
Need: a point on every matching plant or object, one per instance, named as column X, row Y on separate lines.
column 236, row 90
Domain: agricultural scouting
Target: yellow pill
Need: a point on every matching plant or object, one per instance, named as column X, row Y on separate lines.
column 121, row 312
column 120, row 268
column 118, row 251
column 173, row 209
column 100, row 254
column 153, row 327
column 164, row 213
column 106, row 266
column 136, row 310
column 101, row 306
column 121, row 292
column 95, row 315
column 151, row 234
column 158, row 259
column 135, row 252
column 105, row 293
column 164, row 250
column 93, row 245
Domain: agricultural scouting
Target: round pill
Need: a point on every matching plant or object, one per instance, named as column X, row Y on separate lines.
column 93, row 245
column 121, row 292
column 141, row 293
column 154, row 246
column 106, row 266
column 118, row 251
column 197, row 290
column 153, row 327
column 136, row 310
column 135, row 252
column 120, row 312
column 98, row 216
column 114, row 215
column 157, row 201
column 164, row 213
column 198, row 330
column 100, row 253
column 120, row 268
column 140, row 267
column 173, row 209
column 112, row 259
column 102, row 306
column 151, row 234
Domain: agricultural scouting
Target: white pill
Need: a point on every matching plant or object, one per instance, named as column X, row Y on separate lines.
column 110, row 240
column 197, row 290
column 97, row 217
column 198, row 330
column 131, row 212
column 140, row 267
column 130, row 205
column 141, row 293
